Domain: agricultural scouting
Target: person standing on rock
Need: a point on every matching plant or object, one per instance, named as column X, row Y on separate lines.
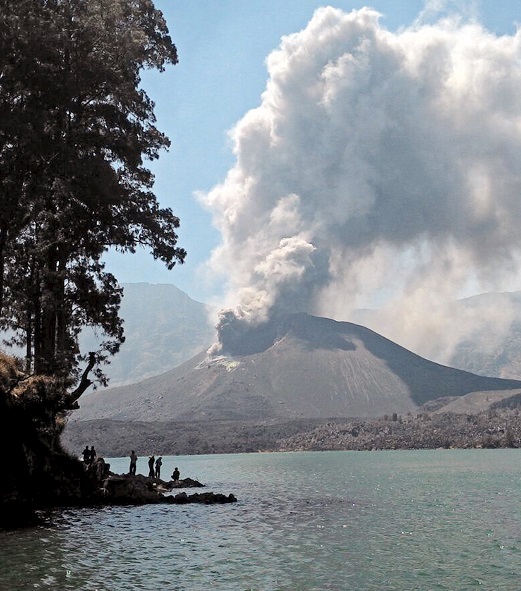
column 92, row 454
column 159, row 463
column 86, row 456
column 151, row 462
column 175, row 475
column 133, row 463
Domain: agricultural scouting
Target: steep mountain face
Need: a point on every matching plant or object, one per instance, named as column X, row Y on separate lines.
column 298, row 366
column 163, row 328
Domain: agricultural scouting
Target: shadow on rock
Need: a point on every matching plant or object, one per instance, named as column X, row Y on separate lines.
column 123, row 489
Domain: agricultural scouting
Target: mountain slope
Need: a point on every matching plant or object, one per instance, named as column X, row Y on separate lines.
column 163, row 328
column 487, row 339
column 302, row 367
column 492, row 348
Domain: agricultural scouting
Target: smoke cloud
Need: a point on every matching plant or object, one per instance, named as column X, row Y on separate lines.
column 380, row 167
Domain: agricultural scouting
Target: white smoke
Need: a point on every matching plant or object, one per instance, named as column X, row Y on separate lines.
column 377, row 163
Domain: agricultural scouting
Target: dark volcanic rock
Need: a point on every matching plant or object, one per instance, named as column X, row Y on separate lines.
column 129, row 490
column 297, row 367
column 184, row 483
column 499, row 428
column 238, row 338
column 114, row 438
column 124, row 489
column 207, row 498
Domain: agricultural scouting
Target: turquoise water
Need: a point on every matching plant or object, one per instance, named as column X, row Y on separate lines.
column 404, row 520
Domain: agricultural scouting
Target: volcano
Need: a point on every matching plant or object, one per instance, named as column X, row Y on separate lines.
column 297, row 366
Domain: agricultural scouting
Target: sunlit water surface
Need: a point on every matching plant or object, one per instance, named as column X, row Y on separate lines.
column 422, row 520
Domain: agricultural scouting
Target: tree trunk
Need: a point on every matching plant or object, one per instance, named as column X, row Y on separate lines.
column 3, row 240
column 45, row 341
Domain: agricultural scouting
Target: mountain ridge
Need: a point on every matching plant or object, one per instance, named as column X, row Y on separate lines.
column 177, row 327
column 163, row 328
column 310, row 367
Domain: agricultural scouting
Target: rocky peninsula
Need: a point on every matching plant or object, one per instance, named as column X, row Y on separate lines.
column 107, row 488
column 39, row 474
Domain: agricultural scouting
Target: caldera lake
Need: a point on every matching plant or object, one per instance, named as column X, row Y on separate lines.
column 361, row 521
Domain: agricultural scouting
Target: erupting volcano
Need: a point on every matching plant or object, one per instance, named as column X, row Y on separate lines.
column 293, row 366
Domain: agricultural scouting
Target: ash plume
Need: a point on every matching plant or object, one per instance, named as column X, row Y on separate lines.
column 379, row 165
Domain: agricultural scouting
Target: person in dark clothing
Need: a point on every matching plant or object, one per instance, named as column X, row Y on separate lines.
column 159, row 463
column 133, row 463
column 175, row 475
column 86, row 455
column 151, row 462
column 92, row 454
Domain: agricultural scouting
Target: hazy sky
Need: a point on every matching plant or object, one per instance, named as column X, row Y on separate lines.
column 328, row 158
column 223, row 46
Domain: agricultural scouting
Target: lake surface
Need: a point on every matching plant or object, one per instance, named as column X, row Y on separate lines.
column 395, row 520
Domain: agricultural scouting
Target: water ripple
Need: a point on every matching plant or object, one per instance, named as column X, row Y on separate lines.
column 334, row 521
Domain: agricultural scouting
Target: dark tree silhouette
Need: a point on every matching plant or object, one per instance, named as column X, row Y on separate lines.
column 76, row 130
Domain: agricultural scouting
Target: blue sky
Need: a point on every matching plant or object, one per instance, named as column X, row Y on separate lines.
column 221, row 75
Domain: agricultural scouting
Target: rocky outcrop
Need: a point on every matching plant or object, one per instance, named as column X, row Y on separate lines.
column 208, row 498
column 39, row 474
column 184, row 483
column 126, row 489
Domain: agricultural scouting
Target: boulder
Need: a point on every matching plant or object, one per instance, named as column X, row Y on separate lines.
column 123, row 489
column 184, row 483
column 206, row 498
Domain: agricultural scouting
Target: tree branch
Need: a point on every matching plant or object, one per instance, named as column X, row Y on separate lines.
column 84, row 383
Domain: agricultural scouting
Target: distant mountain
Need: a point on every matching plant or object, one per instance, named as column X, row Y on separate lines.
column 163, row 328
column 492, row 342
column 303, row 367
column 491, row 350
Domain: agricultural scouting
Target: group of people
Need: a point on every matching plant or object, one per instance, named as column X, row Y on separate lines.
column 89, row 455
column 154, row 466
column 94, row 464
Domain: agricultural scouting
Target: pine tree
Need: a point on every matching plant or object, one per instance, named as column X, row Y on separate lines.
column 76, row 131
